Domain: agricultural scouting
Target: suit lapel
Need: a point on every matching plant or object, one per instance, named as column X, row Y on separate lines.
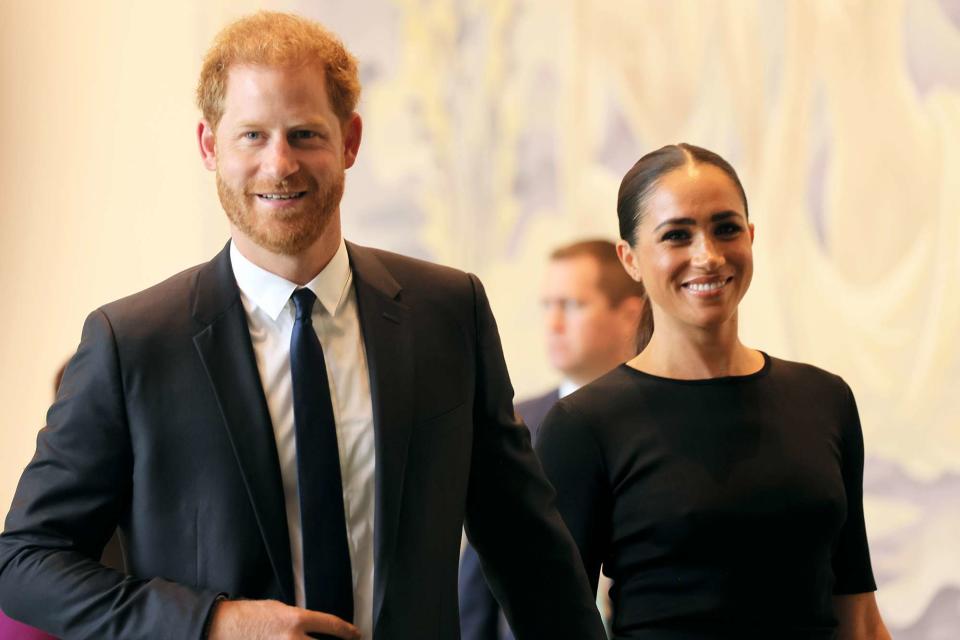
column 227, row 354
column 388, row 340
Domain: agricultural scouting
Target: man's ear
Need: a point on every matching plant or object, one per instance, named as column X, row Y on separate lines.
column 208, row 145
column 750, row 226
column 352, row 132
column 628, row 260
column 632, row 307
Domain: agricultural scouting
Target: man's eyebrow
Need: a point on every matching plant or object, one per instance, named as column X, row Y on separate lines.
column 717, row 217
column 249, row 124
column 303, row 124
column 310, row 124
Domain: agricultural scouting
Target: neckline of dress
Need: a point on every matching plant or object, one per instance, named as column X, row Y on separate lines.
column 759, row 373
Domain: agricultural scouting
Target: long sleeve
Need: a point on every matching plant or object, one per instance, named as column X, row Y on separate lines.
column 574, row 465
column 67, row 505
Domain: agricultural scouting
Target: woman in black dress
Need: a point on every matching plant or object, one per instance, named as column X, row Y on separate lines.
column 719, row 487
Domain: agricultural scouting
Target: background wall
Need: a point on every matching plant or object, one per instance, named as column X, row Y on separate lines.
column 497, row 129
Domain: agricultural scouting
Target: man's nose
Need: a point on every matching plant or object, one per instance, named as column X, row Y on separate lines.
column 553, row 317
column 281, row 161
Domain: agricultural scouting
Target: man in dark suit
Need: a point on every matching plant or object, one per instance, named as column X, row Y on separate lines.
column 292, row 435
column 592, row 317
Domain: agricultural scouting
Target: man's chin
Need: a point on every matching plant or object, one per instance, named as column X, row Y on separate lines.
column 285, row 244
column 562, row 365
column 289, row 237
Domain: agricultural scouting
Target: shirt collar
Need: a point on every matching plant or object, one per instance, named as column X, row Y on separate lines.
column 270, row 292
column 567, row 387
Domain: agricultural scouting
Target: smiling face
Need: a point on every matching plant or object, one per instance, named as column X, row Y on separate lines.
column 280, row 153
column 692, row 249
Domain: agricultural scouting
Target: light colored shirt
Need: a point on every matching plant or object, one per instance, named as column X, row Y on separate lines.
column 270, row 318
column 567, row 387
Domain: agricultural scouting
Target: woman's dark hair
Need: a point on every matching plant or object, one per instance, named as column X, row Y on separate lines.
column 639, row 183
column 642, row 178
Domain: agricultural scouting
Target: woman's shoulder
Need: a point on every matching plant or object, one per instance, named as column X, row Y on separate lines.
column 802, row 373
column 614, row 384
column 599, row 402
column 582, row 427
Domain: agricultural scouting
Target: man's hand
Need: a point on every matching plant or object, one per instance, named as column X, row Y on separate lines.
column 273, row 620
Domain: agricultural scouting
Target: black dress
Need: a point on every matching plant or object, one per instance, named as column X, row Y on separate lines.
column 721, row 508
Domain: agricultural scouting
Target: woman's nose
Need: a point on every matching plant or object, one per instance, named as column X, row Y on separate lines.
column 707, row 255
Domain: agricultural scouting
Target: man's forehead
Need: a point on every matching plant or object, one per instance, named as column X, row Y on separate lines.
column 306, row 66
column 251, row 88
column 582, row 265
column 262, row 78
column 572, row 273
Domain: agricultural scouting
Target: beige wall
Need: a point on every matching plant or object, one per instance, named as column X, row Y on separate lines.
column 102, row 191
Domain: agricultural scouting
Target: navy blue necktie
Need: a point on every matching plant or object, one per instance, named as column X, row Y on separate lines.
column 327, row 577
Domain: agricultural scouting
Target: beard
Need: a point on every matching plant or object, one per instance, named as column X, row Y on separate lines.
column 288, row 231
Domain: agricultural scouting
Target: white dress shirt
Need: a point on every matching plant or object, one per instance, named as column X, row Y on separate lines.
column 567, row 387
column 270, row 318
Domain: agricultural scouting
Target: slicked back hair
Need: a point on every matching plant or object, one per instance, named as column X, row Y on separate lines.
column 642, row 178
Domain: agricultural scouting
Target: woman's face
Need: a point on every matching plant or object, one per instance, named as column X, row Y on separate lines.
column 692, row 249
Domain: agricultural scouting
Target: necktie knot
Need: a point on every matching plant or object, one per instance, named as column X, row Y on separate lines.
column 303, row 300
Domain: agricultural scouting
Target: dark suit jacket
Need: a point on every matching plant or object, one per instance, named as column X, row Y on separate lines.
column 480, row 614
column 161, row 426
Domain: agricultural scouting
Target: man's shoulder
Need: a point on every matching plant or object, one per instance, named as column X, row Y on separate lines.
column 405, row 268
column 168, row 303
column 423, row 285
column 176, row 288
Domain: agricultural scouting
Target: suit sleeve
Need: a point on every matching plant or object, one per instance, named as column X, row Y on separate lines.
column 67, row 505
column 573, row 463
column 528, row 556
